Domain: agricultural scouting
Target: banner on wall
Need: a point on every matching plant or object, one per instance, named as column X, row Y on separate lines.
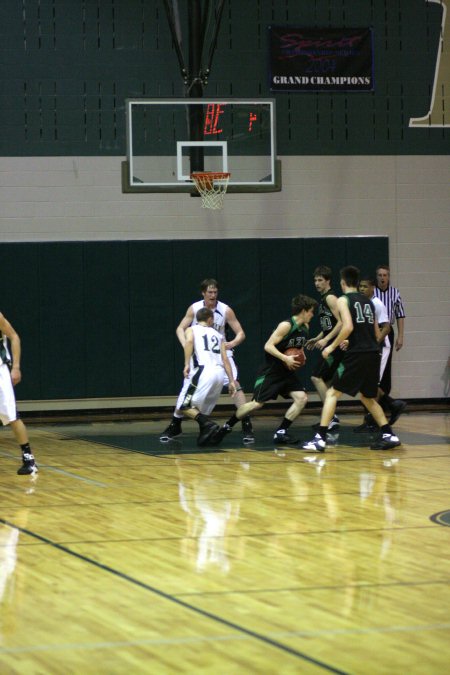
column 321, row 59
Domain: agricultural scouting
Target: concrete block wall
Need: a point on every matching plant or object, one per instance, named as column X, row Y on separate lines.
column 406, row 198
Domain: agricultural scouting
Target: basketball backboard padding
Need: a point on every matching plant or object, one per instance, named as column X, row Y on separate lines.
column 168, row 139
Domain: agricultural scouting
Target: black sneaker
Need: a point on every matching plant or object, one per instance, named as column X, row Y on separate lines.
column 283, row 438
column 247, row 431
column 218, row 436
column 386, row 442
column 28, row 467
column 366, row 428
column 207, row 430
column 397, row 408
column 172, row 431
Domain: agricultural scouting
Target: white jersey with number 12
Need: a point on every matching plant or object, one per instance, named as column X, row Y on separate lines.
column 207, row 343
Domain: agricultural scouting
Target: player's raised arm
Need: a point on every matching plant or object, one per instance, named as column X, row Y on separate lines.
column 185, row 322
column 239, row 335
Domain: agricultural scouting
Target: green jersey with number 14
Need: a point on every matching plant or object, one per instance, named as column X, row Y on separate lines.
column 362, row 338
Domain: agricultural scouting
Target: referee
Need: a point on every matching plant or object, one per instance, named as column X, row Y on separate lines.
column 391, row 299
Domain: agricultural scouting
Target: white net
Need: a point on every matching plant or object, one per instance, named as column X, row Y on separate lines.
column 212, row 187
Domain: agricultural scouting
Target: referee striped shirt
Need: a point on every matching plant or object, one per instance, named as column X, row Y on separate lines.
column 392, row 300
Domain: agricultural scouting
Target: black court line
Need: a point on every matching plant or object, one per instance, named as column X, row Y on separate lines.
column 186, row 605
column 333, row 587
column 248, row 535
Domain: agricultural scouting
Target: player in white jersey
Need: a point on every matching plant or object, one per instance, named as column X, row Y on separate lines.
column 205, row 366
column 367, row 288
column 223, row 316
column 10, row 375
column 391, row 299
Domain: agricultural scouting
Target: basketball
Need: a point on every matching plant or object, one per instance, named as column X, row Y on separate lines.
column 299, row 355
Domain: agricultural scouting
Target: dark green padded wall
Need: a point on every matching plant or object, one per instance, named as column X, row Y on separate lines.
column 21, row 304
column 98, row 319
column 67, row 68
column 107, row 319
column 63, row 321
column 151, row 298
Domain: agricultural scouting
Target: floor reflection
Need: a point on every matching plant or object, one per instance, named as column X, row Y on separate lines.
column 10, row 568
column 10, row 572
column 212, row 509
column 361, row 505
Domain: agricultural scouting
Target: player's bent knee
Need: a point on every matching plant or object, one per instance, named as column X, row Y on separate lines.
column 299, row 397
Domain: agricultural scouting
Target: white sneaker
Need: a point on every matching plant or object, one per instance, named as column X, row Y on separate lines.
column 316, row 445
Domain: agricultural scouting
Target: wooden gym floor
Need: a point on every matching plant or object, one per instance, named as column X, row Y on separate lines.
column 125, row 555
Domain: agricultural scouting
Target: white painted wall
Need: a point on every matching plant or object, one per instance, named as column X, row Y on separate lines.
column 404, row 197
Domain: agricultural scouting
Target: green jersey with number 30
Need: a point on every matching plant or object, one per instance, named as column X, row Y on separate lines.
column 326, row 316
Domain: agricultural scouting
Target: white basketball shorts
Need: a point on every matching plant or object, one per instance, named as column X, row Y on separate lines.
column 201, row 392
column 8, row 411
column 384, row 357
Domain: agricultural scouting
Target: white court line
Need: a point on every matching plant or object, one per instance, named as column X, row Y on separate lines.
column 62, row 471
column 220, row 638
column 73, row 475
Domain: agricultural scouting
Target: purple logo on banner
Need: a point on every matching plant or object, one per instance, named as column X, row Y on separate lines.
column 321, row 59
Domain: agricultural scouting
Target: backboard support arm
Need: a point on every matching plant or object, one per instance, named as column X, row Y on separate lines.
column 194, row 77
column 212, row 49
column 176, row 37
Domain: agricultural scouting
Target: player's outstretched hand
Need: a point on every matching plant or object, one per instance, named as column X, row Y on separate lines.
column 310, row 344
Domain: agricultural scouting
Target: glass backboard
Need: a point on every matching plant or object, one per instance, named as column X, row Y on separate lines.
column 168, row 139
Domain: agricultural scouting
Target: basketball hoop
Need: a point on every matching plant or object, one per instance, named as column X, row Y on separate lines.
column 212, row 186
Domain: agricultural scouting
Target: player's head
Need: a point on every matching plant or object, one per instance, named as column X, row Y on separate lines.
column 366, row 285
column 210, row 290
column 322, row 278
column 350, row 276
column 206, row 283
column 323, row 271
column 383, row 275
column 303, row 303
column 205, row 315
